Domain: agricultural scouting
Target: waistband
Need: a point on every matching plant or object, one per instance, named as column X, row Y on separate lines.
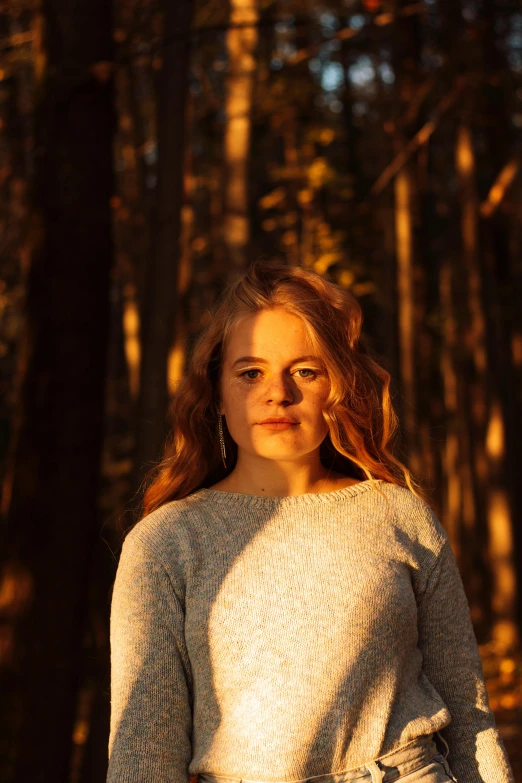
column 388, row 768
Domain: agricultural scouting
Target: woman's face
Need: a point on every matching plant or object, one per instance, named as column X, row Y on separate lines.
column 273, row 387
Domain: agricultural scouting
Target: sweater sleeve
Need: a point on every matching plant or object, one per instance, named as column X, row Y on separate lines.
column 452, row 663
column 151, row 715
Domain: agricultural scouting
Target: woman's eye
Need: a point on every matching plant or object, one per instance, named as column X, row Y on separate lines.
column 304, row 373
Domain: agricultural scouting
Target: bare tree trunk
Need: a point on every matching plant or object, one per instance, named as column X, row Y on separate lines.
column 503, row 442
column 242, row 38
column 405, row 187
column 406, row 312
column 51, row 491
column 486, row 413
column 160, row 298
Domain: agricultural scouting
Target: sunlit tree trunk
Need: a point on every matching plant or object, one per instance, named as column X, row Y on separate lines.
column 404, row 254
column 241, row 43
column 474, row 385
column 50, row 496
column 449, row 375
column 405, row 187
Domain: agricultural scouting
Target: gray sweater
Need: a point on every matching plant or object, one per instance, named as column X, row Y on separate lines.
column 276, row 639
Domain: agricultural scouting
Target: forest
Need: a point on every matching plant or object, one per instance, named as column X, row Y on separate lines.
column 149, row 151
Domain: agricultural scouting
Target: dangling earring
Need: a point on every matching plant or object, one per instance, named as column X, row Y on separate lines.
column 222, row 440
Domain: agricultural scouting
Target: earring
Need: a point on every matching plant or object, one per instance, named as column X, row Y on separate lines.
column 222, row 439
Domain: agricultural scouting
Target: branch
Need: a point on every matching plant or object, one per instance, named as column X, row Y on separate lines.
column 416, row 102
column 419, row 139
column 499, row 188
column 17, row 39
column 381, row 20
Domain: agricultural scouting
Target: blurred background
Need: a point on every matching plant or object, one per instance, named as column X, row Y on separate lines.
column 149, row 151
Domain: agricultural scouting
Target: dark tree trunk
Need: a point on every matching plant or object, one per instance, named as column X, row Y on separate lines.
column 51, row 520
column 501, row 286
column 160, row 298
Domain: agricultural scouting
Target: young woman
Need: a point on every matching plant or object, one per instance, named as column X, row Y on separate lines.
column 289, row 608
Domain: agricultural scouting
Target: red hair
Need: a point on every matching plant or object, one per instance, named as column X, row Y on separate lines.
column 359, row 411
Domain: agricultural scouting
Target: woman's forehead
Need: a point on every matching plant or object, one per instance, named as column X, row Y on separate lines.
column 268, row 332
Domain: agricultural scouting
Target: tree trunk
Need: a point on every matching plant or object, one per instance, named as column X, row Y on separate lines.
column 242, row 40
column 406, row 52
column 160, row 298
column 503, row 426
column 50, row 498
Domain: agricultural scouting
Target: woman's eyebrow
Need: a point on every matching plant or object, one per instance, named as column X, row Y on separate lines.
column 258, row 360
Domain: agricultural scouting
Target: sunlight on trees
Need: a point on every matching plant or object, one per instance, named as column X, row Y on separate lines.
column 372, row 141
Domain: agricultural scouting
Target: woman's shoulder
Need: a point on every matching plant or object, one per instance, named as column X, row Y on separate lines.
column 165, row 527
column 414, row 516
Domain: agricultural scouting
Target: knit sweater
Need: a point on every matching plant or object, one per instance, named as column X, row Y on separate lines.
column 278, row 638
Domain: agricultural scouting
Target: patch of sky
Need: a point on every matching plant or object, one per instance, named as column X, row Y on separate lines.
column 315, row 65
column 362, row 72
column 285, row 49
column 336, row 106
column 357, row 21
column 328, row 20
column 514, row 40
column 332, row 76
column 386, row 73
column 276, row 63
column 332, row 46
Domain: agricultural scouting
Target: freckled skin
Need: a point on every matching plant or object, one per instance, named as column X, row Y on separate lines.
column 272, row 460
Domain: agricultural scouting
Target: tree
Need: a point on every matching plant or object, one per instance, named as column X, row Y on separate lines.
column 160, row 295
column 50, row 492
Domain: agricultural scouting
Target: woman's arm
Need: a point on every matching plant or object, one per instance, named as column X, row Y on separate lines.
column 151, row 716
column 452, row 663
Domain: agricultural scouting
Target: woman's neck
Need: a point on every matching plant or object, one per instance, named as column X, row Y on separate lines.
column 265, row 477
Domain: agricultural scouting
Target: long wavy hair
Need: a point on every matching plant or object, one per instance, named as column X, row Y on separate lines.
column 361, row 420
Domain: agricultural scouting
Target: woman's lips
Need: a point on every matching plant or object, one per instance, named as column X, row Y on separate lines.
column 278, row 425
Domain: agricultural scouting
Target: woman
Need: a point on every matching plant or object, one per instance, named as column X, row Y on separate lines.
column 289, row 607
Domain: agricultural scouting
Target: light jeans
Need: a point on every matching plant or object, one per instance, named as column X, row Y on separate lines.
column 418, row 762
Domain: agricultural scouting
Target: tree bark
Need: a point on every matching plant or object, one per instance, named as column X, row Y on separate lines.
column 241, row 44
column 50, row 500
column 160, row 298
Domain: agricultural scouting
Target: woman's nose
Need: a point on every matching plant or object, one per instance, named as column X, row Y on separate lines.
column 280, row 390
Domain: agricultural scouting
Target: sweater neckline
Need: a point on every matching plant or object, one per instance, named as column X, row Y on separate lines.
column 269, row 501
